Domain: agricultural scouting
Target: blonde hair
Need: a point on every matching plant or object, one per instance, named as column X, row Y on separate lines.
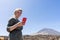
column 17, row 9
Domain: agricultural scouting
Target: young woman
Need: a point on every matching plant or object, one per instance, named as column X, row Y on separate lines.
column 14, row 26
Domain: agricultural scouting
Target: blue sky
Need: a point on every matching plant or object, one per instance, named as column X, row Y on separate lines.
column 40, row 14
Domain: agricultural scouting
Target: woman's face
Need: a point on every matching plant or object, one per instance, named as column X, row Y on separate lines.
column 18, row 13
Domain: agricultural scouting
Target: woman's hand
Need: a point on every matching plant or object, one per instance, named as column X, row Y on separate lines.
column 20, row 24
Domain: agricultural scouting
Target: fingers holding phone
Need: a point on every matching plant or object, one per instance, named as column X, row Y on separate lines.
column 22, row 23
column 19, row 24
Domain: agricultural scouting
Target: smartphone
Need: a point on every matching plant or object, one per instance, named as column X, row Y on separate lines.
column 24, row 20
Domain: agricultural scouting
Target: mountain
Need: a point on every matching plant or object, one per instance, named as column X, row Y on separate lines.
column 47, row 31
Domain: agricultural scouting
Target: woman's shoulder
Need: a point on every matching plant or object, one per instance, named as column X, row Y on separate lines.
column 12, row 19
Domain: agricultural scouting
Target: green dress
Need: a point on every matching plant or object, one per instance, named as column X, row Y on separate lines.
column 16, row 34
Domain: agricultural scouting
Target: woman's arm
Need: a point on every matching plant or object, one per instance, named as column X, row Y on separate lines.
column 11, row 28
